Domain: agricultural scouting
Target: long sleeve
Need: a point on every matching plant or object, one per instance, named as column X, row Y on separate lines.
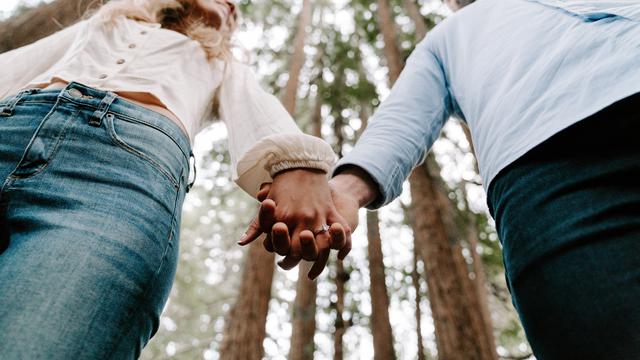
column 263, row 138
column 404, row 127
column 19, row 66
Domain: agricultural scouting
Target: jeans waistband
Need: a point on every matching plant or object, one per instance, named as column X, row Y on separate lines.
column 104, row 102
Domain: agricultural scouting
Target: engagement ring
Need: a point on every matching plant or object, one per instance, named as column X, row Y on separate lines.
column 323, row 229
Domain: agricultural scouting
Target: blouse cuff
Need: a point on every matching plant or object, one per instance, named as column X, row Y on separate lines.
column 276, row 153
column 293, row 164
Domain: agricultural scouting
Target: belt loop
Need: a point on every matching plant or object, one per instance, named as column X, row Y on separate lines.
column 191, row 156
column 96, row 118
column 8, row 109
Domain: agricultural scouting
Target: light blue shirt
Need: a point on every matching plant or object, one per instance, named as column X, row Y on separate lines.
column 517, row 71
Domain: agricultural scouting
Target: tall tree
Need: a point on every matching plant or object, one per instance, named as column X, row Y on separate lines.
column 304, row 307
column 304, row 316
column 245, row 325
column 296, row 61
column 380, row 325
column 415, row 279
column 461, row 332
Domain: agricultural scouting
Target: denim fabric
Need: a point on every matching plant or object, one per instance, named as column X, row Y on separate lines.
column 568, row 217
column 91, row 193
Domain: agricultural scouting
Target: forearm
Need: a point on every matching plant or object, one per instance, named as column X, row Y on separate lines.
column 263, row 138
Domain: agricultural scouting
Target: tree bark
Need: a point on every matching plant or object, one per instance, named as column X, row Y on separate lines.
column 304, row 316
column 297, row 58
column 391, row 49
column 260, row 263
column 304, row 308
column 461, row 330
column 41, row 21
column 340, row 324
column 245, row 326
column 415, row 278
column 380, row 325
column 418, row 20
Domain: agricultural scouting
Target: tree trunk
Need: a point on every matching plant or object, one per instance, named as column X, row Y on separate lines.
column 340, row 324
column 304, row 307
column 304, row 316
column 391, row 49
column 418, row 20
column 260, row 263
column 245, row 325
column 461, row 332
column 297, row 58
column 380, row 325
column 415, row 278
column 41, row 21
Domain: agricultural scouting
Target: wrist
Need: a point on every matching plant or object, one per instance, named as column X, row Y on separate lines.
column 300, row 171
column 356, row 183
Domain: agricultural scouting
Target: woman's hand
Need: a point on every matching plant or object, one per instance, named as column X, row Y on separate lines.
column 295, row 212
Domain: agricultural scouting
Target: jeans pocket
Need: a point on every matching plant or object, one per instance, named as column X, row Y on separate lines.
column 148, row 143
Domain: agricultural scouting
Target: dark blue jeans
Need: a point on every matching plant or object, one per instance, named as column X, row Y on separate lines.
column 568, row 217
column 91, row 188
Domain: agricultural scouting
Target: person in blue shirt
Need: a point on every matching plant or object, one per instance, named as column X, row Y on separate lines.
column 550, row 90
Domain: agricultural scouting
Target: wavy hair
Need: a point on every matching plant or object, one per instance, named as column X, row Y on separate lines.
column 180, row 16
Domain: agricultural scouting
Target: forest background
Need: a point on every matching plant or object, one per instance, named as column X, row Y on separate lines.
column 424, row 279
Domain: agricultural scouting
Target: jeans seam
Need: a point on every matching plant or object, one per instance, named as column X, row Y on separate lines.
column 138, row 121
column 12, row 174
column 141, row 301
column 123, row 145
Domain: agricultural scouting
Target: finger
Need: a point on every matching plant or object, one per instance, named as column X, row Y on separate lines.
column 319, row 264
column 268, row 243
column 308, row 248
column 322, row 241
column 252, row 233
column 280, row 238
column 289, row 262
column 346, row 247
column 337, row 236
column 294, row 256
column 267, row 215
column 345, row 250
column 264, row 192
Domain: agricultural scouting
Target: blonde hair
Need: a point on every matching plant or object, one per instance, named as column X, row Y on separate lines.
column 177, row 15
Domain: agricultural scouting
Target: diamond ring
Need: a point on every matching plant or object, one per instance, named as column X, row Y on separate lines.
column 322, row 229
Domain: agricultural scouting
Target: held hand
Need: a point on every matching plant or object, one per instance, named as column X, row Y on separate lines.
column 298, row 224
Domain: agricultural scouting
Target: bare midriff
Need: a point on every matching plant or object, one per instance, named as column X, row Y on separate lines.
column 145, row 100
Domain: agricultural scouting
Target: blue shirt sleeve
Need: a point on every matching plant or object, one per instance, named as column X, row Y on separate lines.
column 405, row 125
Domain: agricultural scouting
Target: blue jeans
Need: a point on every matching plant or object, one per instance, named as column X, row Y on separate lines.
column 568, row 217
column 91, row 193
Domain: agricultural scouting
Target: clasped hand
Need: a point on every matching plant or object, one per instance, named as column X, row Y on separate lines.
column 305, row 217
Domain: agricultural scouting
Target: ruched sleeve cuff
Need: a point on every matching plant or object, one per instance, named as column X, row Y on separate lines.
column 279, row 152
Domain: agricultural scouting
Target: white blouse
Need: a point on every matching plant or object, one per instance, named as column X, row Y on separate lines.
column 132, row 56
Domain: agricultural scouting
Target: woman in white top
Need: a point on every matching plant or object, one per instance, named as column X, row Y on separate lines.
column 96, row 123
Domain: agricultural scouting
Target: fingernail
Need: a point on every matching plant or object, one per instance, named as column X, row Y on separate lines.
column 242, row 239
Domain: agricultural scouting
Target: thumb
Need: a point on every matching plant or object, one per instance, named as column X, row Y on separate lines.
column 252, row 233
